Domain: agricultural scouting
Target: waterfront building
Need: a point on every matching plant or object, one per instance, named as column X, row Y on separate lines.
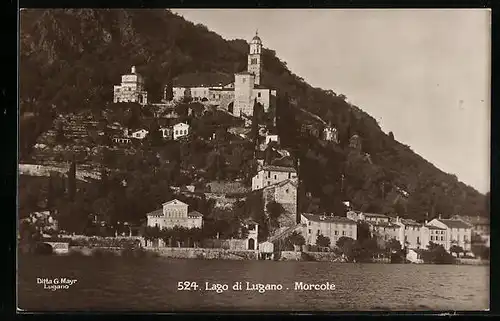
column 238, row 96
column 458, row 232
column 271, row 174
column 480, row 226
column 180, row 130
column 272, row 138
column 384, row 231
column 131, row 89
column 253, row 234
column 435, row 234
column 333, row 227
column 174, row 213
column 410, row 233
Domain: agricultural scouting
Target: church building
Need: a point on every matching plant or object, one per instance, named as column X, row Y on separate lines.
column 131, row 89
column 238, row 96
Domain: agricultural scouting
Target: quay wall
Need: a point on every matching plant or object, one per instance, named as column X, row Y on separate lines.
column 204, row 253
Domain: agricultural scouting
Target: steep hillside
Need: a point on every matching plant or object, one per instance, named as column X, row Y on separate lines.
column 70, row 60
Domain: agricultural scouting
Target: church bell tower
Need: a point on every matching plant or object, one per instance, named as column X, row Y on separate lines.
column 255, row 58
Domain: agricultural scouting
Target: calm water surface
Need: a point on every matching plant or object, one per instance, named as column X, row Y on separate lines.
column 150, row 284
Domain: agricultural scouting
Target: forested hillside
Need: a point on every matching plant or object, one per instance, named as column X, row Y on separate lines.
column 70, row 60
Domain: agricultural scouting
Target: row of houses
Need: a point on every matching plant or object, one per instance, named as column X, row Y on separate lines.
column 410, row 234
column 169, row 132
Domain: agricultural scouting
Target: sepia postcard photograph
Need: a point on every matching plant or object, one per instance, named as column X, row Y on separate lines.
column 223, row 160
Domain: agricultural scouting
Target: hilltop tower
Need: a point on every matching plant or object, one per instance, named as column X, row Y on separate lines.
column 255, row 58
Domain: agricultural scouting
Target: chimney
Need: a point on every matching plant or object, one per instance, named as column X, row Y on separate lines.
column 133, row 69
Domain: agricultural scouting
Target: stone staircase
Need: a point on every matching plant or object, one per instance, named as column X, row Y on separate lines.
column 284, row 232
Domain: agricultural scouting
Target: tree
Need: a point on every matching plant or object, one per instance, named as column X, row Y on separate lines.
column 346, row 246
column 481, row 251
column 154, row 137
column 60, row 133
column 456, row 249
column 393, row 245
column 391, row 135
column 296, row 238
column 322, row 241
column 72, row 180
column 274, row 210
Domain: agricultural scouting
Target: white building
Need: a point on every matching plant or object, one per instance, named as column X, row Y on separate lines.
column 138, row 134
column 272, row 138
column 174, row 213
column 179, row 130
column 411, row 233
column 238, row 96
column 330, row 134
column 333, row 227
column 458, row 232
column 270, row 174
column 131, row 89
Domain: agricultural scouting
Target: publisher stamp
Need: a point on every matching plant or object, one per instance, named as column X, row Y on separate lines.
column 56, row 284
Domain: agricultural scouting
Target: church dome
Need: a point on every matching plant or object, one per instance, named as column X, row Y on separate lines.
column 256, row 39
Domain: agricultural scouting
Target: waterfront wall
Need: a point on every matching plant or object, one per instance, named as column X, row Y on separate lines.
column 204, row 253
column 472, row 261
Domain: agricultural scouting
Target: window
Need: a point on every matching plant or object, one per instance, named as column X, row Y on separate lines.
column 258, row 95
column 289, row 175
column 243, row 80
column 309, row 223
column 418, row 239
column 336, row 232
column 268, row 174
column 350, row 233
column 275, row 177
column 309, row 230
column 442, row 238
column 432, row 237
column 254, row 61
column 268, row 183
column 343, row 233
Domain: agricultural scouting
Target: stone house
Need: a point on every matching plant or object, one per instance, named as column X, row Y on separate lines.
column 333, row 227
column 271, row 174
column 285, row 194
column 458, row 232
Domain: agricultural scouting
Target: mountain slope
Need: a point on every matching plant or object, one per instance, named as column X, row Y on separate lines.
column 70, row 60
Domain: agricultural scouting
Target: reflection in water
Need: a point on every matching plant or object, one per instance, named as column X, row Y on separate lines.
column 150, row 284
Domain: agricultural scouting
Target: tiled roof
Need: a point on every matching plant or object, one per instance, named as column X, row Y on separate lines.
column 454, row 223
column 155, row 213
column 375, row 215
column 329, row 219
column 195, row 214
column 475, row 220
column 410, row 222
column 384, row 224
column 432, row 227
column 275, row 168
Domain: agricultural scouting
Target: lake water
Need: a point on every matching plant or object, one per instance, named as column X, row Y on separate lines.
column 150, row 284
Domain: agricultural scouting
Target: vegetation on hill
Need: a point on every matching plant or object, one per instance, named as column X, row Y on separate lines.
column 70, row 60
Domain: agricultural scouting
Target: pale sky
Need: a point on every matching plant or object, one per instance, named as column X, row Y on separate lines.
column 423, row 74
